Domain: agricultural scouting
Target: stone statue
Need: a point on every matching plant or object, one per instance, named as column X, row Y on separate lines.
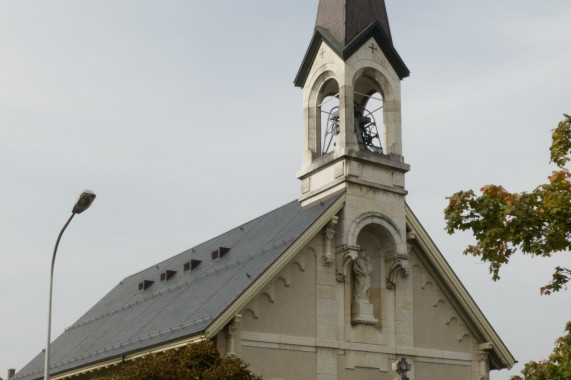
column 362, row 270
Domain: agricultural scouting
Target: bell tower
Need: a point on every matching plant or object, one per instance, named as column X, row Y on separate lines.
column 350, row 78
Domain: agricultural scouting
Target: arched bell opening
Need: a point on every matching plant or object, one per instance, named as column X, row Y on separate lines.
column 328, row 116
column 368, row 114
column 324, row 87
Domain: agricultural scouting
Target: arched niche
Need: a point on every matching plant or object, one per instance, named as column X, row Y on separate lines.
column 367, row 275
column 383, row 238
column 374, row 242
column 377, row 243
column 387, row 225
column 323, row 105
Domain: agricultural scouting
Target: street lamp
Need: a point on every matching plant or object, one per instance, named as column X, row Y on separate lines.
column 83, row 202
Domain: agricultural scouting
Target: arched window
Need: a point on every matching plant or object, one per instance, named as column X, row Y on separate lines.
column 368, row 114
column 328, row 116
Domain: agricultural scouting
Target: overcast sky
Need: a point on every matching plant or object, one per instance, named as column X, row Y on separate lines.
column 182, row 117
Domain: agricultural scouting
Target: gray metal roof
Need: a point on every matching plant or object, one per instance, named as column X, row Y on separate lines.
column 128, row 320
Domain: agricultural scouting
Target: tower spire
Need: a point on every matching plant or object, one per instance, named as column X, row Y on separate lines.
column 345, row 19
column 345, row 25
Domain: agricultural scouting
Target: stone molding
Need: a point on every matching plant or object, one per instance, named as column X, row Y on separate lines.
column 372, row 217
column 287, row 342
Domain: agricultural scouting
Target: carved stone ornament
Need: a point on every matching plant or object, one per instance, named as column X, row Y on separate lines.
column 402, row 367
column 329, row 234
column 348, row 253
column 399, row 265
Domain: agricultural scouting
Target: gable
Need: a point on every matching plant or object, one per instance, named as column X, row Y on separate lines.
column 440, row 274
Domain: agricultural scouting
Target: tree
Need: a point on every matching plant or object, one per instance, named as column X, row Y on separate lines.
column 198, row 361
column 556, row 367
column 537, row 223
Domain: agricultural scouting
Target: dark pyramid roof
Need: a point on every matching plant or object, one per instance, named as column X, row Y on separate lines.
column 345, row 19
column 128, row 320
column 345, row 25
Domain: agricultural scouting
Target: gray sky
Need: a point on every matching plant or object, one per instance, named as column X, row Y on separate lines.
column 183, row 118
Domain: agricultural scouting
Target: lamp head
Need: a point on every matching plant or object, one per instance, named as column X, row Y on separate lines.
column 83, row 202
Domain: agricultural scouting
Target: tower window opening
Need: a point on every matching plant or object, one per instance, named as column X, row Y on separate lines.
column 368, row 109
column 329, row 110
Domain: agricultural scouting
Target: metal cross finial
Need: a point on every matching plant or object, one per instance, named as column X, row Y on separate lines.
column 373, row 48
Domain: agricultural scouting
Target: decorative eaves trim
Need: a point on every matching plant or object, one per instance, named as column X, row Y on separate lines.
column 274, row 269
column 345, row 52
column 459, row 292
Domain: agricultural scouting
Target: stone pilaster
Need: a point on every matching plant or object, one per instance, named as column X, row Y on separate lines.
column 403, row 297
column 481, row 362
column 233, row 335
column 327, row 307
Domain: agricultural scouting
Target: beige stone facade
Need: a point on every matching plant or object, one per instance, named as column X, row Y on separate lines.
column 300, row 326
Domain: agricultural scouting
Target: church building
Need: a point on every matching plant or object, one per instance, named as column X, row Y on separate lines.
column 342, row 283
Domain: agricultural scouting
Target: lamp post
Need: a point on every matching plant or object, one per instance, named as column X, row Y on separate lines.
column 83, row 202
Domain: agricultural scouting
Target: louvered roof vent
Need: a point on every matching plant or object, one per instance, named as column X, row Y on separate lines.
column 167, row 275
column 145, row 284
column 190, row 265
column 219, row 253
